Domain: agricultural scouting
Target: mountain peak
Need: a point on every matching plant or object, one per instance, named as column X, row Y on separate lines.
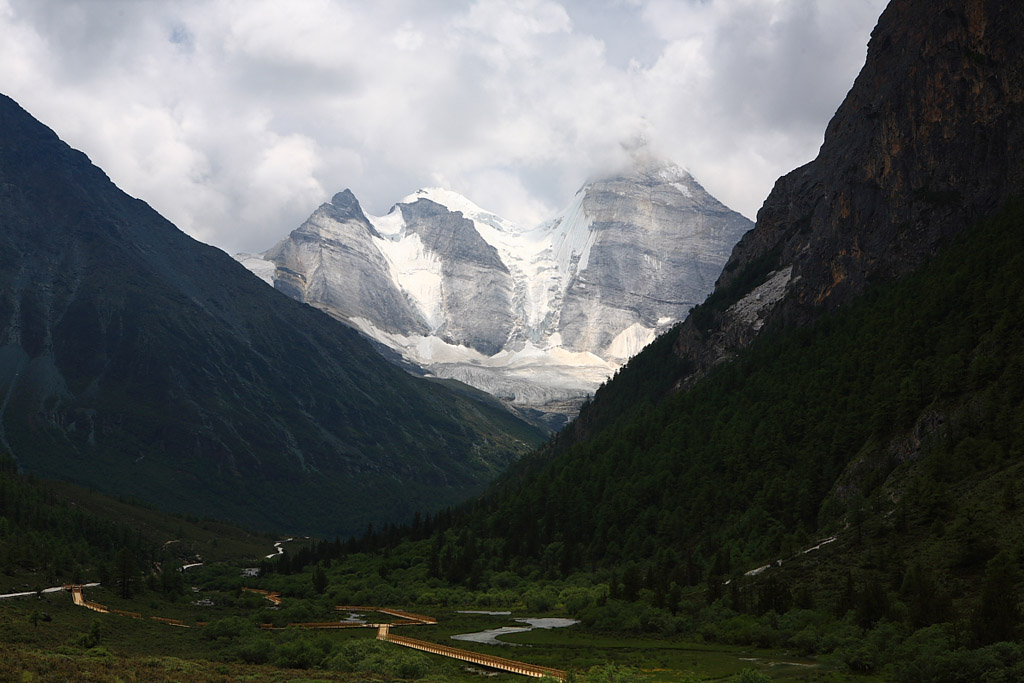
column 455, row 202
column 344, row 199
column 647, row 163
column 646, row 168
column 347, row 206
column 445, row 197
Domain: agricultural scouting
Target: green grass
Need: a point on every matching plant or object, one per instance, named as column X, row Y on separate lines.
column 143, row 649
column 657, row 658
column 665, row 659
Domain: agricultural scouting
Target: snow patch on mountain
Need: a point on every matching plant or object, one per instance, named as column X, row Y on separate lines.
column 629, row 342
column 417, row 272
column 259, row 266
column 453, row 201
column 571, row 238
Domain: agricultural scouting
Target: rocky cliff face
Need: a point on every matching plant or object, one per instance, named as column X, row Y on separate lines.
column 539, row 317
column 476, row 287
column 138, row 361
column 657, row 241
column 928, row 140
column 331, row 260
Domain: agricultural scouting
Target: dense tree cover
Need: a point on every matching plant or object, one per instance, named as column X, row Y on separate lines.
column 896, row 424
column 49, row 540
column 743, row 466
column 41, row 532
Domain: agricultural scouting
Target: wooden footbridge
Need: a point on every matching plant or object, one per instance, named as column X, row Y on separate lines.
column 79, row 599
column 383, row 632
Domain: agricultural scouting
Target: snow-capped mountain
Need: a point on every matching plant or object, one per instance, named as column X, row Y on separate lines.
column 537, row 316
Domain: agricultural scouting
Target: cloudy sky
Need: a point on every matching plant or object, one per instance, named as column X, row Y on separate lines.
column 236, row 118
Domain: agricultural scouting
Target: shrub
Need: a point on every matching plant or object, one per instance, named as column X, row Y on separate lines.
column 609, row 673
column 751, row 676
column 742, row 629
column 298, row 654
column 576, row 600
column 998, row 663
column 540, row 600
column 859, row 657
column 257, row 649
column 228, row 628
column 373, row 657
column 92, row 638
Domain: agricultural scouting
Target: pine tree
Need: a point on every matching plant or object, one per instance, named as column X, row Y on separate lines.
column 873, row 604
column 126, row 572
column 927, row 603
column 172, row 583
column 998, row 615
column 319, row 580
column 848, row 598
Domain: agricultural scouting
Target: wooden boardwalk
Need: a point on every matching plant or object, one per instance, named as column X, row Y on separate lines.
column 406, row 617
column 510, row 665
column 273, row 596
column 383, row 632
column 79, row 599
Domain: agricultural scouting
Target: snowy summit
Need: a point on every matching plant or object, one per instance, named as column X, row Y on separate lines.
column 537, row 316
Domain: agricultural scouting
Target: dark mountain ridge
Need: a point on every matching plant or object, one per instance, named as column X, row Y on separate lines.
column 929, row 139
column 144, row 363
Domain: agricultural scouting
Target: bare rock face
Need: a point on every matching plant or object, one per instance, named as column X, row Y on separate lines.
column 929, row 139
column 658, row 244
column 331, row 262
column 538, row 317
column 475, row 284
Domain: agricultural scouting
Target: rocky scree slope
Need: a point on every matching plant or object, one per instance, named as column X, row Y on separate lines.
column 143, row 363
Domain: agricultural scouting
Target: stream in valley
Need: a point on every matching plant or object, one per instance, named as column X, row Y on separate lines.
column 491, row 636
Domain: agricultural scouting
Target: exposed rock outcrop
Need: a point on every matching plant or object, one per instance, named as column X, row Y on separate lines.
column 929, row 139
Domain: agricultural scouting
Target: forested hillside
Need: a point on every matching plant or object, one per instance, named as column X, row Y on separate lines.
column 53, row 533
column 827, row 453
column 921, row 380
column 892, row 430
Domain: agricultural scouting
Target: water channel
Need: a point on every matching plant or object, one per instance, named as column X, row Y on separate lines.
column 491, row 636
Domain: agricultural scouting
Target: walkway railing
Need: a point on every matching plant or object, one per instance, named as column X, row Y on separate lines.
column 510, row 665
column 79, row 599
column 273, row 596
column 383, row 633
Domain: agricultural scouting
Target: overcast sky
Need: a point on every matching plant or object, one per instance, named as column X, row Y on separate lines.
column 236, row 118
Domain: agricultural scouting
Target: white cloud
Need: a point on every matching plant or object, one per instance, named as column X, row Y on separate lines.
column 235, row 118
column 407, row 38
